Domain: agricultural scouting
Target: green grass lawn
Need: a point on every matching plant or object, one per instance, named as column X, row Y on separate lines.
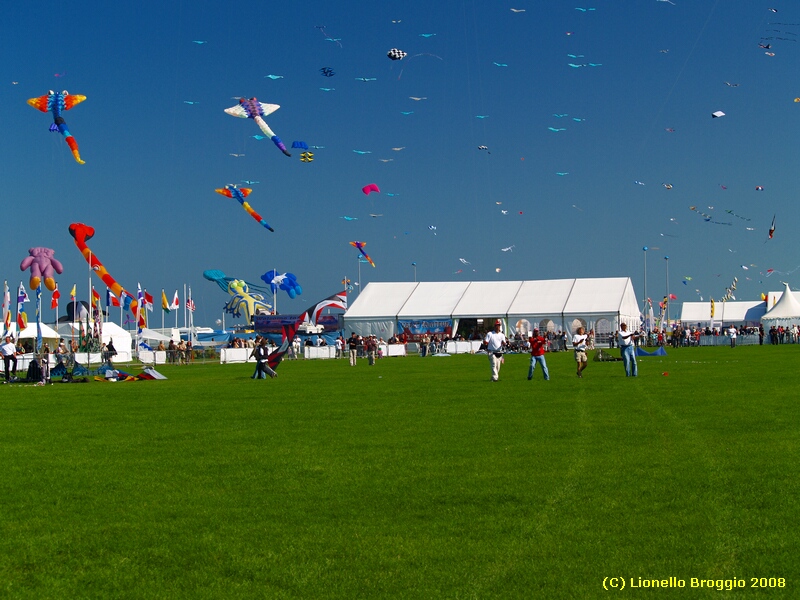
column 415, row 478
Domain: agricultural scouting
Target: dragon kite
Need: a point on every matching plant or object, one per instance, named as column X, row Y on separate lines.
column 55, row 103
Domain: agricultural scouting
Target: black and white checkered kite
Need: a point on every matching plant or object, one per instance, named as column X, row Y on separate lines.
column 396, row 54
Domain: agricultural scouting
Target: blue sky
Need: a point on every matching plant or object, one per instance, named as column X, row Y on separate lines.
column 153, row 160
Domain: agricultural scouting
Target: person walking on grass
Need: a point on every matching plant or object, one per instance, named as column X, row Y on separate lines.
column 579, row 345
column 538, row 348
column 495, row 340
column 627, row 348
column 352, row 346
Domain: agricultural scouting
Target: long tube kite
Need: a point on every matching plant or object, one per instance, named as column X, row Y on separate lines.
column 81, row 233
column 253, row 109
column 360, row 246
column 233, row 191
column 55, row 103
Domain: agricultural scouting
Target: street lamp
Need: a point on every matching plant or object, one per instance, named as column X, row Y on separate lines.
column 666, row 259
column 644, row 248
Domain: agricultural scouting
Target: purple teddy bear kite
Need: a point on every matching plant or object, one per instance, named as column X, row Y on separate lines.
column 41, row 262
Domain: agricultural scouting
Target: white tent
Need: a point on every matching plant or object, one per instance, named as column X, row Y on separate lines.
column 786, row 311
column 111, row 331
column 727, row 313
column 49, row 335
column 380, row 306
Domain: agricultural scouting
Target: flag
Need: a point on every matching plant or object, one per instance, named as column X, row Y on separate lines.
column 126, row 299
column 712, row 308
column 95, row 297
column 148, row 301
column 6, row 306
column 72, row 292
column 164, row 302
column 673, row 297
column 111, row 298
column 190, row 305
column 22, row 295
column 56, row 296
column 176, row 303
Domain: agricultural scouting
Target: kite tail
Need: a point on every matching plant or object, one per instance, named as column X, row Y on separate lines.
column 73, row 145
column 277, row 141
column 271, row 134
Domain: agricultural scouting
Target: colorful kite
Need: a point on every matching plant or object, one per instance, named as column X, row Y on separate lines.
column 306, row 157
column 396, row 54
column 360, row 247
column 371, row 187
column 81, row 233
column 284, row 281
column 253, row 109
column 772, row 227
column 300, row 144
column 233, row 191
column 55, row 103
column 42, row 263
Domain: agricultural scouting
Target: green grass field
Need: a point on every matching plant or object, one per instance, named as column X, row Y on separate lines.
column 415, row 478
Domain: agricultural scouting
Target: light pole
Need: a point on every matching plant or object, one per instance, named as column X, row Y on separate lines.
column 666, row 259
column 645, row 279
column 413, row 264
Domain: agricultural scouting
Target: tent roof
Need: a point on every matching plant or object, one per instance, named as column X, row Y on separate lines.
column 606, row 295
column 380, row 299
column 725, row 312
column 787, row 308
column 48, row 333
column 541, row 298
column 433, row 299
column 513, row 299
column 486, row 299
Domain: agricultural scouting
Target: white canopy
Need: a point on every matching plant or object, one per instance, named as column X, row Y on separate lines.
column 786, row 311
column 111, row 331
column 736, row 312
column 380, row 305
column 49, row 334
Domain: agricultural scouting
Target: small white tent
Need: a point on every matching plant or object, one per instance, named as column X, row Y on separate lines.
column 49, row 335
column 111, row 331
column 785, row 311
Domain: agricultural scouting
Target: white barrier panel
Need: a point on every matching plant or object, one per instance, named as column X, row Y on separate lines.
column 157, row 357
column 394, row 349
column 463, row 347
column 235, row 355
column 319, row 352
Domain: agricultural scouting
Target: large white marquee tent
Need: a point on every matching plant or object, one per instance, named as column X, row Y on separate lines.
column 385, row 308
column 785, row 311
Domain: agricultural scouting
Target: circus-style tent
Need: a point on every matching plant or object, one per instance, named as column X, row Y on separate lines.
column 786, row 311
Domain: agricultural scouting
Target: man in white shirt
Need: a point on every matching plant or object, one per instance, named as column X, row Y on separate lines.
column 9, row 351
column 732, row 335
column 627, row 349
column 495, row 340
column 579, row 344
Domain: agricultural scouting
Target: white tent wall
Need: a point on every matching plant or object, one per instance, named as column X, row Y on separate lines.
column 560, row 301
column 49, row 335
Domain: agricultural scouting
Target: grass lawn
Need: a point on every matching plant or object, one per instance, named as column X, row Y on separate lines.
column 415, row 478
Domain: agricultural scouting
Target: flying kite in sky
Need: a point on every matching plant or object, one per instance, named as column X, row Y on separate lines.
column 81, row 233
column 360, row 247
column 42, row 263
column 306, row 157
column 55, row 103
column 233, row 191
column 284, row 281
column 347, row 218
column 396, row 54
column 370, row 187
column 299, row 144
column 363, row 151
column 365, row 79
column 253, row 109
column 772, row 227
column 717, row 114
column 327, row 72
column 273, row 77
